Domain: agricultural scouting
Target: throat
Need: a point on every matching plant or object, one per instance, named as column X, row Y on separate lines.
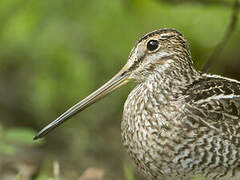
column 172, row 80
column 153, row 95
column 168, row 87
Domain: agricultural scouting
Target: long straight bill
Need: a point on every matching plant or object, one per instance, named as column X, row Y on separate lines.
column 118, row 80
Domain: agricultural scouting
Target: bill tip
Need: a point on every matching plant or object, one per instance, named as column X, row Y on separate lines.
column 38, row 136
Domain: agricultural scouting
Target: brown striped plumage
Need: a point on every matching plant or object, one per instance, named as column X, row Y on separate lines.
column 178, row 122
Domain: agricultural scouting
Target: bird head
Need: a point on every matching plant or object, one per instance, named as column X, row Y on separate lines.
column 155, row 53
column 163, row 52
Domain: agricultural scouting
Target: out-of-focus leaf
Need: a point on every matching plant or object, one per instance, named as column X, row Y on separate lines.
column 1, row 132
column 21, row 136
column 18, row 177
column 43, row 177
column 128, row 172
column 7, row 149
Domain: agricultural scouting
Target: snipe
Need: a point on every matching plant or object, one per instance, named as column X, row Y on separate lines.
column 177, row 122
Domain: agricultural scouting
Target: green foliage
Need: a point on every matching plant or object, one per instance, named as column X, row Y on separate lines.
column 7, row 149
column 22, row 136
column 43, row 177
column 18, row 177
column 12, row 139
column 128, row 172
column 1, row 132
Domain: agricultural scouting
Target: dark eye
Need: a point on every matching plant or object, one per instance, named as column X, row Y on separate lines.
column 152, row 45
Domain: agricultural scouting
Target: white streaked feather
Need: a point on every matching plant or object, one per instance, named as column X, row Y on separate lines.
column 218, row 97
column 221, row 77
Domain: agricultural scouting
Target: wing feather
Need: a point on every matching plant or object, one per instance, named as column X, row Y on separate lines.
column 215, row 102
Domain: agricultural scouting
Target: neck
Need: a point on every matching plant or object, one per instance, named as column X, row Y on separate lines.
column 171, row 79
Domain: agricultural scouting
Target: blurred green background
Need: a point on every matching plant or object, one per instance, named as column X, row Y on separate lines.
column 53, row 53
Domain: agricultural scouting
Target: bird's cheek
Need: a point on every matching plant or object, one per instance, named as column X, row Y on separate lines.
column 138, row 76
column 161, row 61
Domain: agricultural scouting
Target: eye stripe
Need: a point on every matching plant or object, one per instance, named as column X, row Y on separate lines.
column 167, row 36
